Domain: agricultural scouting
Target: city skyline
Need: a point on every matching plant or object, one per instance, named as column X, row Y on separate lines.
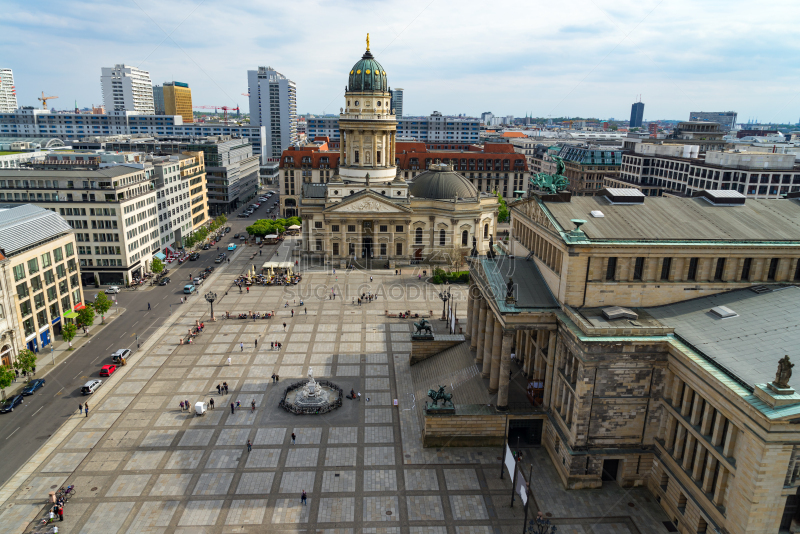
column 589, row 60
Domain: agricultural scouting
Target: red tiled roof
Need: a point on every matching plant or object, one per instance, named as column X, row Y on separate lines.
column 513, row 134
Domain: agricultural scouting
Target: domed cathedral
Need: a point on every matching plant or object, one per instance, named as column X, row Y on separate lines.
column 367, row 215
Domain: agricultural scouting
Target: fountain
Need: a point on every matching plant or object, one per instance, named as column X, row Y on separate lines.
column 312, row 397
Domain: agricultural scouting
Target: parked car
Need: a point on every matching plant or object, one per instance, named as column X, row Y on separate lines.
column 91, row 386
column 209, row 269
column 243, row 237
column 10, row 404
column 235, row 236
column 232, row 246
column 227, row 229
column 198, row 281
column 121, row 354
column 164, row 281
column 107, row 370
column 113, row 289
column 194, row 256
column 32, row 386
column 189, row 289
column 219, row 259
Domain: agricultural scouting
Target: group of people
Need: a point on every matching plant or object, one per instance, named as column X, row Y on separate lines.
column 365, row 297
column 407, row 315
column 251, row 315
column 222, row 387
column 275, row 345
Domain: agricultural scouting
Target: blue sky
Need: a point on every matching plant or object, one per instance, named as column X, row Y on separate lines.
column 579, row 58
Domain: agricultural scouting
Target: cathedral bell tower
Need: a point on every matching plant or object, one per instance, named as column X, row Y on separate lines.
column 367, row 125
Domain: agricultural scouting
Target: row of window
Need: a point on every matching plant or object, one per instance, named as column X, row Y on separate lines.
column 612, row 269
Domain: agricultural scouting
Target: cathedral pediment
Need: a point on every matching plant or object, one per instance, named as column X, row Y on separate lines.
column 367, row 202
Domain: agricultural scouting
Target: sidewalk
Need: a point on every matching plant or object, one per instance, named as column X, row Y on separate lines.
column 45, row 359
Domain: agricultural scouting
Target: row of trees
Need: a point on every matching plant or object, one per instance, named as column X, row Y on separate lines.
column 200, row 235
column 263, row 227
column 26, row 359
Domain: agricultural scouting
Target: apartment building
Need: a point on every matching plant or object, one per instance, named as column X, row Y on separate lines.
column 650, row 350
column 182, row 201
column 312, row 163
column 726, row 119
column 587, row 167
column 323, row 127
column 397, row 102
column 679, row 170
column 273, row 105
column 112, row 211
column 127, row 88
column 40, row 269
column 86, row 131
column 436, row 128
column 8, row 93
column 178, row 100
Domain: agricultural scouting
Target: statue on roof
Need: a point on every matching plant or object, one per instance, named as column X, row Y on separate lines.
column 490, row 252
column 552, row 183
column 784, row 372
column 474, row 251
column 368, row 42
column 510, row 288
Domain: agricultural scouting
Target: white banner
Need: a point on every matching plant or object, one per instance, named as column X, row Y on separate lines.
column 511, row 464
column 522, row 487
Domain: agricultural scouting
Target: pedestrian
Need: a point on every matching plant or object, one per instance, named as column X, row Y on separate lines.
column 148, row 306
column 186, row 403
column 232, row 407
column 277, row 378
column 249, row 446
column 80, row 408
column 86, row 409
column 303, row 498
column 395, row 272
column 241, row 346
column 359, row 395
column 284, row 327
column 305, row 310
column 60, row 513
column 219, row 389
column 370, row 279
column 225, row 385
column 256, row 343
column 248, row 289
column 211, row 403
column 292, row 312
column 293, row 438
column 253, row 405
column 229, row 360
column 273, row 377
column 181, row 405
column 272, row 347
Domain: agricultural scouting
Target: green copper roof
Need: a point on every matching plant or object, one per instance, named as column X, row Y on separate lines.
column 367, row 75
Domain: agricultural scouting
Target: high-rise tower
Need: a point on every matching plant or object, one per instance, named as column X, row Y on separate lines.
column 637, row 114
column 8, row 95
column 127, row 88
column 367, row 125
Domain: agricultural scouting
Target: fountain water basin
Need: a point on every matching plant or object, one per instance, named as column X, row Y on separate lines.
column 312, row 397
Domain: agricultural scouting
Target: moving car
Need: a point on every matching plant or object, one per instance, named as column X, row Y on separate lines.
column 227, row 229
column 206, row 246
column 32, row 386
column 91, row 386
column 243, row 237
column 197, row 281
column 10, row 404
column 219, row 259
column 209, row 269
column 235, row 236
column 194, row 256
column 121, row 354
column 232, row 246
column 107, row 370
column 112, row 289
column 164, row 281
column 189, row 289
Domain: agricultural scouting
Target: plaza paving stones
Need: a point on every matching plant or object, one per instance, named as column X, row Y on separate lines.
column 141, row 465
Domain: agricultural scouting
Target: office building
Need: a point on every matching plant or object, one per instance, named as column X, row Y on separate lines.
column 327, row 126
column 158, row 99
column 273, row 105
column 8, row 93
column 587, row 167
column 127, row 88
column 678, row 169
column 637, row 114
column 180, row 181
column 726, row 119
column 436, row 128
column 397, row 102
column 486, row 117
column 178, row 100
column 648, row 352
column 40, row 266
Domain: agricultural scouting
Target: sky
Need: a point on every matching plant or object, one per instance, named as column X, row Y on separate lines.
column 583, row 58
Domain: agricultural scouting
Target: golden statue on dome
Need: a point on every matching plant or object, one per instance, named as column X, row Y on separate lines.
column 367, row 42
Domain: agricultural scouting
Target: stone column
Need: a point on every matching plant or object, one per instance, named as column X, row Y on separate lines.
column 505, row 370
column 497, row 347
column 548, row 376
column 360, row 148
column 476, row 323
column 468, row 325
column 480, row 330
column 488, row 336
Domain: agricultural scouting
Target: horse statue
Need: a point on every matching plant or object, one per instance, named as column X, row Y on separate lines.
column 423, row 328
column 436, row 396
column 552, row 183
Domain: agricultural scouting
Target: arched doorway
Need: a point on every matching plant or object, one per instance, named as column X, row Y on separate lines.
column 464, row 238
column 5, row 355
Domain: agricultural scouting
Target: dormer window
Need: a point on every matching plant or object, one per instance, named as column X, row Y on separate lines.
column 379, row 103
column 356, row 102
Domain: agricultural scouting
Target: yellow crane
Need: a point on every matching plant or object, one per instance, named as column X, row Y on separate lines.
column 44, row 100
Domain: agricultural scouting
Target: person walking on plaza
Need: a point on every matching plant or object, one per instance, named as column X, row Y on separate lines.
column 293, row 438
column 241, row 346
column 284, row 327
column 233, row 406
column 219, row 389
column 86, row 409
column 181, row 405
column 211, row 403
column 303, row 498
column 249, row 446
column 148, row 306
column 80, row 408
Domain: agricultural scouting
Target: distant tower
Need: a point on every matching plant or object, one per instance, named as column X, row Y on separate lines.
column 127, row 88
column 273, row 104
column 8, row 95
column 367, row 125
column 397, row 102
column 637, row 113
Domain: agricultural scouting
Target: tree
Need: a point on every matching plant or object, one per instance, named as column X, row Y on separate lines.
column 86, row 317
column 502, row 214
column 7, row 376
column 26, row 361
column 68, row 333
column 157, row 266
column 102, row 304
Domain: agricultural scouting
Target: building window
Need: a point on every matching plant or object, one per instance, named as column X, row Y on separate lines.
column 773, row 269
column 666, row 265
column 464, row 238
column 19, row 272
column 398, row 228
column 70, row 249
column 57, row 254
column 398, row 249
column 797, row 272
column 355, row 156
column 486, row 231
column 318, row 225
column 335, row 249
column 638, row 268
column 418, row 236
column 611, row 270
column 335, row 228
column 719, row 270
column 692, row 275
column 351, row 227
column 46, row 260
column 384, row 228
column 748, row 263
column 22, row 290
column 319, row 245
column 383, row 249
column 441, row 238
column 33, row 265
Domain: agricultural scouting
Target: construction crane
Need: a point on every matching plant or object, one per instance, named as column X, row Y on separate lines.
column 44, row 100
column 224, row 109
column 245, row 94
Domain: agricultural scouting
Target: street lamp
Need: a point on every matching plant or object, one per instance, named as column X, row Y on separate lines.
column 211, row 297
column 445, row 296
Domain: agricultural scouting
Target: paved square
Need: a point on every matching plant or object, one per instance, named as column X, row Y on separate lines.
column 380, row 509
column 461, row 479
column 336, row 509
column 425, row 508
column 297, row 481
column 338, row 481
column 382, row 480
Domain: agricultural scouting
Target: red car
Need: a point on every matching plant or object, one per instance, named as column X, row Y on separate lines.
column 108, row 370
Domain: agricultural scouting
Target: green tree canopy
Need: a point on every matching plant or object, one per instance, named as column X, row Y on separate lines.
column 102, row 304
column 264, row 227
column 157, row 266
column 7, row 376
column 86, row 316
column 26, row 360
column 68, row 332
column 502, row 214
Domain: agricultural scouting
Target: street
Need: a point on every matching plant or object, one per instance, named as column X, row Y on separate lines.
column 25, row 429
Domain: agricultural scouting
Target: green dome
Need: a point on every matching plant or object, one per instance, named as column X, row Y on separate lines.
column 367, row 75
